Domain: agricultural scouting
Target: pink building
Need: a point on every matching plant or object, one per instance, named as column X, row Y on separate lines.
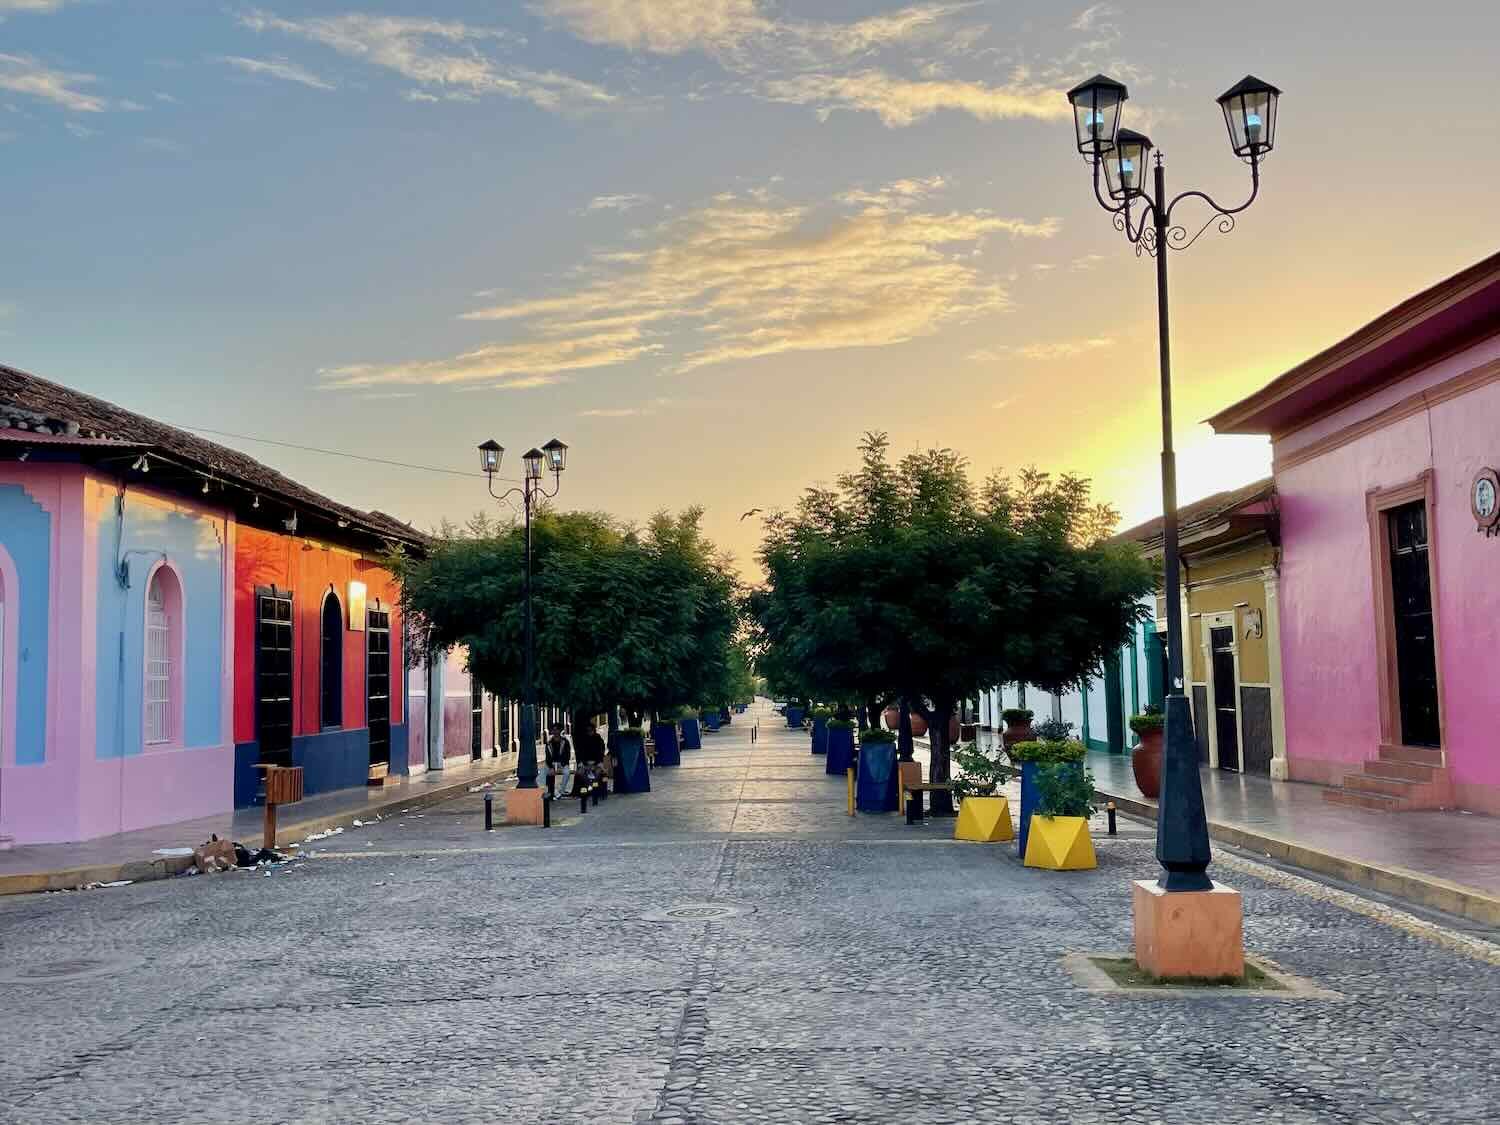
column 1385, row 448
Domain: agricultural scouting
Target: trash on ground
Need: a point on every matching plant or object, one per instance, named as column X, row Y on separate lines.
column 172, row 852
column 323, row 835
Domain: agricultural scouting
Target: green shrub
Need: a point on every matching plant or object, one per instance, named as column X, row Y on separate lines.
column 631, row 732
column 978, row 772
column 840, row 724
column 1048, row 753
column 1064, row 790
column 1052, row 730
column 820, row 713
column 1147, row 722
column 685, row 713
column 1016, row 715
column 875, row 735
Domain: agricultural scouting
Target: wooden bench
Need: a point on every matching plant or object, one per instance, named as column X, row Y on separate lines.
column 912, row 799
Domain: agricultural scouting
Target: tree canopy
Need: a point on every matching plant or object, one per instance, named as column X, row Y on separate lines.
column 643, row 618
column 905, row 579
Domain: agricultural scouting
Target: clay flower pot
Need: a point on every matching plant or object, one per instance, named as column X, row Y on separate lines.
column 918, row 726
column 892, row 717
column 1017, row 732
column 1145, row 762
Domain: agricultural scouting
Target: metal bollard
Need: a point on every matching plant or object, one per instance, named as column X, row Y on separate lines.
column 546, row 810
column 583, row 800
column 1110, row 808
column 489, row 812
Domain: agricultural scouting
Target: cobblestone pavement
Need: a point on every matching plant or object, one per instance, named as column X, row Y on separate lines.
column 421, row 970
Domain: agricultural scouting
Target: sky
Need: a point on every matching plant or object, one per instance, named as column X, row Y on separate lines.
column 709, row 243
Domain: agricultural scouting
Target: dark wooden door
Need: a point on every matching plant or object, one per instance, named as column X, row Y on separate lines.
column 476, row 718
column 1226, row 697
column 1411, row 603
column 378, row 684
column 273, row 675
column 1114, row 703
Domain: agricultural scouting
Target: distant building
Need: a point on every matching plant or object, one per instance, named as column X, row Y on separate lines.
column 173, row 613
column 1385, row 450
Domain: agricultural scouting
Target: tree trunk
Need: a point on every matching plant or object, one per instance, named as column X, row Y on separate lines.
column 940, row 769
column 614, row 727
column 863, row 714
column 903, row 735
column 842, row 713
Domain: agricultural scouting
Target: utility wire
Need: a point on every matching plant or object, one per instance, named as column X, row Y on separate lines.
column 340, row 453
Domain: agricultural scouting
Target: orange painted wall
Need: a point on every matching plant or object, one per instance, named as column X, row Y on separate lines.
column 264, row 558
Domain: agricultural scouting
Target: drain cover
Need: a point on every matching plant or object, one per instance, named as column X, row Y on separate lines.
column 66, row 969
column 694, row 912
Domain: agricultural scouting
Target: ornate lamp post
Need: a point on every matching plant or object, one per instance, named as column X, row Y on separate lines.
column 1145, row 217
column 555, row 454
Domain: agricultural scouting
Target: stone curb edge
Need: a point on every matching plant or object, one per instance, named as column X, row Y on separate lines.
column 1415, row 887
column 147, row 870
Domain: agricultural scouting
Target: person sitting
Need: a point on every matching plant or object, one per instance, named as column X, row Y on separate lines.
column 559, row 762
column 591, row 754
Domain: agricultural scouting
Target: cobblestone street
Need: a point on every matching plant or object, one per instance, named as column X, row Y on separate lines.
column 419, row 969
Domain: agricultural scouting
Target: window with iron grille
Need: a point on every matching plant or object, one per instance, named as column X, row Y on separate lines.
column 158, row 664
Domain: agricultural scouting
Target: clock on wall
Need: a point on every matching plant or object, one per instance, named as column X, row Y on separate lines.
column 1484, row 500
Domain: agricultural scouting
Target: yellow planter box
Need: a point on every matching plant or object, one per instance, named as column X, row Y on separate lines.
column 1060, row 843
column 985, row 820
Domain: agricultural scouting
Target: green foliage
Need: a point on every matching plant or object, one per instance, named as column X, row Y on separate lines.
column 631, row 732
column 1064, row 790
column 820, row 713
column 1052, row 730
column 979, row 772
column 1147, row 722
column 677, row 714
column 840, row 724
column 1016, row 715
column 876, row 734
column 646, row 619
column 1048, row 753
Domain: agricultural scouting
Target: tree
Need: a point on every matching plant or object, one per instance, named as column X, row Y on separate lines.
column 906, row 580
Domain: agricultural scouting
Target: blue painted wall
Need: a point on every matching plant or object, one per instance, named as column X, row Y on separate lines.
column 191, row 543
column 26, row 533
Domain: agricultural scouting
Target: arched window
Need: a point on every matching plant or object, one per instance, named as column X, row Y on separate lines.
column 163, row 683
column 332, row 661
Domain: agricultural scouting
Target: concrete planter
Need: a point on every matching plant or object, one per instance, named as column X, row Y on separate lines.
column 692, row 736
column 1060, row 843
column 840, row 751
column 793, row 716
column 668, row 750
column 875, row 788
column 984, row 820
column 631, row 772
column 820, row 736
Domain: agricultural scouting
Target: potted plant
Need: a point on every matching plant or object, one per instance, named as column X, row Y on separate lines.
column 983, row 813
column 1031, row 757
column 631, row 772
column 794, row 713
column 1145, row 760
column 840, row 747
column 710, row 719
column 875, row 789
column 820, row 717
column 692, row 732
column 664, row 734
column 1059, row 839
column 1017, row 726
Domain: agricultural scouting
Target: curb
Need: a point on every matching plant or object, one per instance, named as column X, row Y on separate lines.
column 165, row 867
column 1399, row 882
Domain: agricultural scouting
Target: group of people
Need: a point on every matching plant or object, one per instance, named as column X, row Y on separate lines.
column 593, row 759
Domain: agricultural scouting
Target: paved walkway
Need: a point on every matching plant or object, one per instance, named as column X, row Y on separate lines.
column 137, row 855
column 729, row 948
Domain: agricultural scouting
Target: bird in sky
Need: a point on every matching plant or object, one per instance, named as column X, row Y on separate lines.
column 751, row 512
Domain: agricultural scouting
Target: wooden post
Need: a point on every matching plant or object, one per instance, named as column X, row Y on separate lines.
column 270, row 832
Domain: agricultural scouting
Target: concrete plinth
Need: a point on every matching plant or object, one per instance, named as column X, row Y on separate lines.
column 1188, row 933
column 523, row 806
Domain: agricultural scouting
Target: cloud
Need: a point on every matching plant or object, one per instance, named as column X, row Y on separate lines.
column 666, row 27
column 626, row 202
column 901, row 101
column 163, row 144
column 900, row 193
column 278, row 68
column 166, row 99
column 1058, row 349
column 1092, row 17
column 1001, row 405
column 444, row 56
column 39, row 6
column 22, row 74
column 617, row 412
column 738, row 277
column 82, row 132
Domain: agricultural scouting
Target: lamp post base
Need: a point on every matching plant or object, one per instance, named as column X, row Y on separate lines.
column 1181, row 825
column 1188, row 933
column 523, row 806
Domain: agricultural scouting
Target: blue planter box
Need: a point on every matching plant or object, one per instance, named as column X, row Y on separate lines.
column 739, row 708
column 667, row 750
column 710, row 722
column 820, row 736
column 793, row 716
column 875, row 784
column 692, row 737
column 631, row 773
column 1029, row 798
column 725, row 716
column 840, row 750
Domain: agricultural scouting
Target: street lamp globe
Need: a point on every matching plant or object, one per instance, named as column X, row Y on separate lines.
column 1250, row 113
column 557, row 455
column 490, row 453
column 1125, row 164
column 1096, row 113
column 533, row 459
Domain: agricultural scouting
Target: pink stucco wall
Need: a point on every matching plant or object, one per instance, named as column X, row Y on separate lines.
column 1328, row 628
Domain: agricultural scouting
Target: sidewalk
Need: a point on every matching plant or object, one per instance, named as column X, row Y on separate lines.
column 1448, row 861
column 131, row 855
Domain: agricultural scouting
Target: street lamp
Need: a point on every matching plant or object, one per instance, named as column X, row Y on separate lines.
column 1145, row 218
column 490, row 454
